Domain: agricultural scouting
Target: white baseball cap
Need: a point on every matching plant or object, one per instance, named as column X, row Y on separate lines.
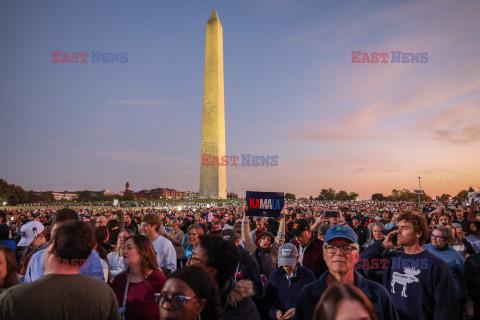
column 29, row 232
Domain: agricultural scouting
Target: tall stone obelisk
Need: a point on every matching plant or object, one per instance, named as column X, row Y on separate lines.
column 213, row 178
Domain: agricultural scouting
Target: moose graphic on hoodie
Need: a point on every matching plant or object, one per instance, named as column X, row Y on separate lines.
column 404, row 279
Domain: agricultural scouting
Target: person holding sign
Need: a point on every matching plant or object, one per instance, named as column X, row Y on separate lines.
column 266, row 253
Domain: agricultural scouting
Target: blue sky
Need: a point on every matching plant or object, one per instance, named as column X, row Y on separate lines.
column 290, row 90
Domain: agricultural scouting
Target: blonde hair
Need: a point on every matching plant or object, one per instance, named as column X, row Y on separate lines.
column 118, row 249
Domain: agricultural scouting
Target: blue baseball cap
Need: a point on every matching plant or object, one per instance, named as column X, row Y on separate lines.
column 341, row 231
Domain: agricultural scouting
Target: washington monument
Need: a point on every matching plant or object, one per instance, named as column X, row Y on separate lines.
column 213, row 178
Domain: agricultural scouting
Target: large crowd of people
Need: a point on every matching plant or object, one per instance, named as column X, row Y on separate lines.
column 317, row 260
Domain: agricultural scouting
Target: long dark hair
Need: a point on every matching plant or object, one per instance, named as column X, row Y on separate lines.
column 101, row 234
column 147, row 252
column 201, row 283
column 327, row 307
column 11, row 277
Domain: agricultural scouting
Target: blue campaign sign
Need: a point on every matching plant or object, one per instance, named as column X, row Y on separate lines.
column 264, row 204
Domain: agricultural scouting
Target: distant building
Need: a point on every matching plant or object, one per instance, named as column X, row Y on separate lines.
column 192, row 195
column 160, row 193
column 127, row 189
column 65, row 195
column 107, row 192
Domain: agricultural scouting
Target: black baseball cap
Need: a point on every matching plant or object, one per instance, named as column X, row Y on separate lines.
column 299, row 226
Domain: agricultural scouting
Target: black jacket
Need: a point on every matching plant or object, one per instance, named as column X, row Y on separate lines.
column 362, row 234
column 237, row 302
column 248, row 270
column 265, row 261
column 282, row 294
column 133, row 227
column 376, row 293
column 472, row 277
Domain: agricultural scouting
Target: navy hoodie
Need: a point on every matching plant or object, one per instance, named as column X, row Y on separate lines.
column 282, row 294
column 420, row 285
column 248, row 270
column 376, row 293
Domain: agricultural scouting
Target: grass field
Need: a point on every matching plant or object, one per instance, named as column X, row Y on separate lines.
column 162, row 203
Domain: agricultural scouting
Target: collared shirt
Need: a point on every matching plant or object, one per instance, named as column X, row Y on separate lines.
column 301, row 251
column 166, row 255
column 292, row 276
column 92, row 267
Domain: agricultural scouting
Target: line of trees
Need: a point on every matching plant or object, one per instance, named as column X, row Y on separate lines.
column 407, row 195
column 331, row 194
column 328, row 194
column 13, row 194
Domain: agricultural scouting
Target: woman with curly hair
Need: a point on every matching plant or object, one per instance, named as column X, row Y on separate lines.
column 189, row 294
column 220, row 258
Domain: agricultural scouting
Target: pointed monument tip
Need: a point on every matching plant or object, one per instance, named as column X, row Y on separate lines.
column 214, row 17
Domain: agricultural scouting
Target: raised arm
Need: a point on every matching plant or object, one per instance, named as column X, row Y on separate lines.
column 317, row 224
column 280, row 238
column 246, row 236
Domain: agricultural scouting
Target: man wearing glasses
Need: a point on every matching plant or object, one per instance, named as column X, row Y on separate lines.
column 341, row 252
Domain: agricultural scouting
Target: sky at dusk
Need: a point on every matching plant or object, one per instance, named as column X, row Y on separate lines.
column 290, row 90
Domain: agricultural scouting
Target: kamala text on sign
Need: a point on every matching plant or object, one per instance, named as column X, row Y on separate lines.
column 267, row 204
column 382, row 57
column 95, row 57
column 209, row 160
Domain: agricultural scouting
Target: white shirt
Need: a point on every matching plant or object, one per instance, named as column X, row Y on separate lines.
column 166, row 255
column 116, row 264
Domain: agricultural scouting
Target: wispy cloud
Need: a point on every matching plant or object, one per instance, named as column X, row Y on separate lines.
column 141, row 158
column 465, row 135
column 320, row 163
column 456, row 125
column 138, row 102
column 131, row 157
column 376, row 170
column 446, row 170
column 373, row 102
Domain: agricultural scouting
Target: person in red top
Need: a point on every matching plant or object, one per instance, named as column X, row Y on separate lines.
column 371, row 219
column 216, row 227
column 256, row 233
column 143, row 278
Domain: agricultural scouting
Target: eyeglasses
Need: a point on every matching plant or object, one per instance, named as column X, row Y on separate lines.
column 436, row 237
column 177, row 302
column 345, row 249
column 195, row 259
